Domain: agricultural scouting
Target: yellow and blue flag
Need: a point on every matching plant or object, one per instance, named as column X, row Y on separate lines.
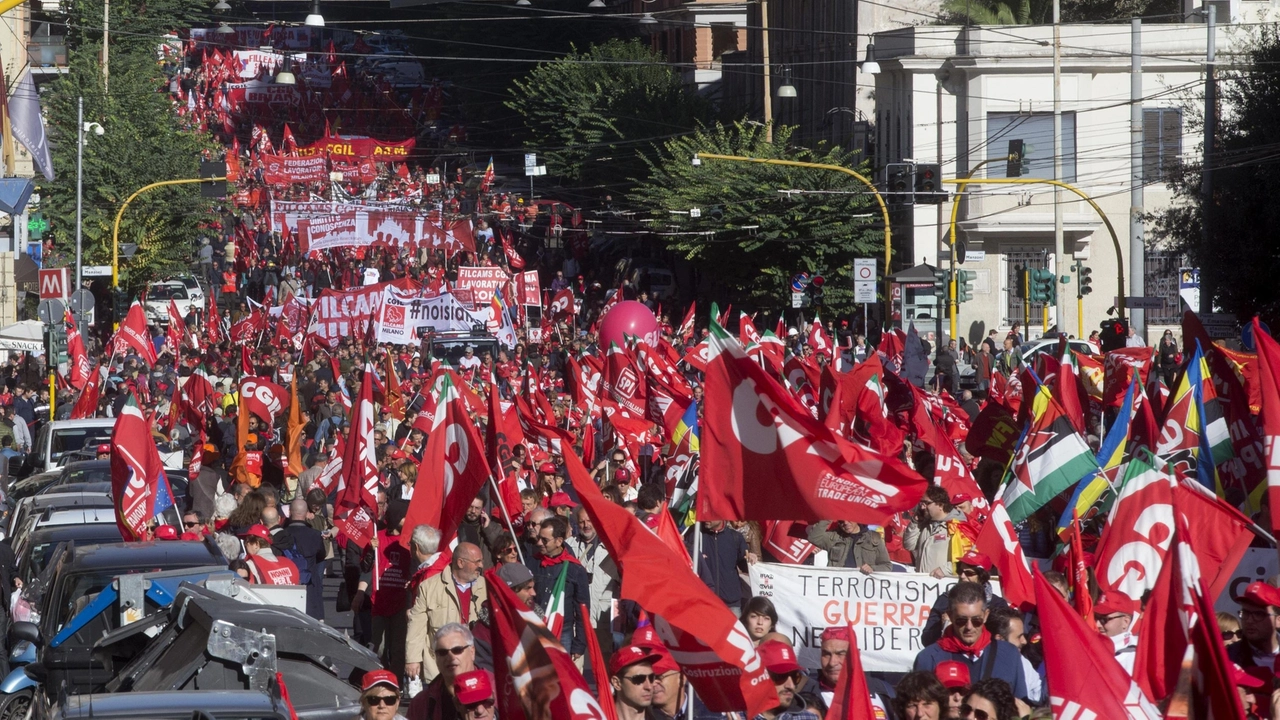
column 1095, row 486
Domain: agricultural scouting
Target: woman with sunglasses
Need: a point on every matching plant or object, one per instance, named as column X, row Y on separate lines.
column 380, row 696
column 989, row 699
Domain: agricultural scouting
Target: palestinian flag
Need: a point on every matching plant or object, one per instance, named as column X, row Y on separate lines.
column 555, row 606
column 1051, row 457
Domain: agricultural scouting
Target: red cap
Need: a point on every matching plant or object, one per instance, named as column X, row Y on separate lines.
column 104, row 448
column 1115, row 603
column 778, row 657
column 561, row 499
column 630, row 655
column 548, row 468
column 257, row 531
column 1260, row 593
column 976, row 559
column 399, row 454
column 374, row 678
column 665, row 663
column 166, row 532
column 622, row 474
column 836, row 633
column 952, row 674
column 646, row 637
column 961, row 498
column 473, row 687
column 1247, row 679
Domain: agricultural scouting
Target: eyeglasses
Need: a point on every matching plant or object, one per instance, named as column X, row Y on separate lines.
column 376, row 700
column 968, row 712
column 967, row 572
column 1108, row 618
column 543, row 541
column 190, row 524
column 975, row 621
column 779, row 678
column 443, row 652
column 639, row 680
column 1232, row 634
column 508, row 550
column 1255, row 614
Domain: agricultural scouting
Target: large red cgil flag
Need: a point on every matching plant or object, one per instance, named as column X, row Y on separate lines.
column 357, row 504
column 133, row 334
column 696, row 626
column 139, row 487
column 1269, row 391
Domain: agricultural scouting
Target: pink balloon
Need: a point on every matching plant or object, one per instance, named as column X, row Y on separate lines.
column 628, row 318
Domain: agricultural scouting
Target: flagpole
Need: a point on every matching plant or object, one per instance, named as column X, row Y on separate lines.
column 697, row 556
column 510, row 525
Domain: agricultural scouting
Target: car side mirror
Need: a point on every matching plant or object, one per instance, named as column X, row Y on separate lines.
column 28, row 631
column 36, row 671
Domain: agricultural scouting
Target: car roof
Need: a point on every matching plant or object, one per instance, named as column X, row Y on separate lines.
column 143, row 703
column 101, row 493
column 82, row 423
column 84, row 531
column 87, row 465
column 88, row 514
column 192, row 553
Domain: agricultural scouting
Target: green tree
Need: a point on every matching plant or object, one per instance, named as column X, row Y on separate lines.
column 592, row 115
column 996, row 12
column 144, row 142
column 760, row 224
column 1238, row 260
column 135, row 24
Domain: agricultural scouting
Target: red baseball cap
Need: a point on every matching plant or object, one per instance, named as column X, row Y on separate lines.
column 836, row 633
column 622, row 474
column 548, row 468
column 952, row 674
column 631, row 655
column 561, row 499
column 166, row 532
column 959, row 498
column 373, row 678
column 976, row 559
column 778, row 657
column 1246, row 679
column 473, row 687
column 1115, row 603
column 1260, row 593
column 665, row 662
column 257, row 531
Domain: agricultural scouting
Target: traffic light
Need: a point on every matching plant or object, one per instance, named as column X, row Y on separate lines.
column 929, row 184
column 815, row 289
column 898, row 176
column 1043, row 286
column 1084, row 276
column 1021, row 283
column 214, row 188
column 1013, row 168
column 964, row 285
column 940, row 279
column 1114, row 334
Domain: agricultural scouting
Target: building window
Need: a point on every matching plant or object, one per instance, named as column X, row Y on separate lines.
column 1016, row 309
column 1161, row 280
column 1161, row 142
column 1035, row 130
column 724, row 38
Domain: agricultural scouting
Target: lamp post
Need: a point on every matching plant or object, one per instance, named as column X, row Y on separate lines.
column 83, row 127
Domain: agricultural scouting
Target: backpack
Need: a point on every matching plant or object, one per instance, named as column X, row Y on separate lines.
column 291, row 551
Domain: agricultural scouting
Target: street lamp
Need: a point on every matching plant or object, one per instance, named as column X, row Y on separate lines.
column 222, row 6
column 84, row 128
column 786, row 89
column 597, row 4
column 315, row 19
column 225, row 29
column 285, row 77
column 648, row 19
column 869, row 64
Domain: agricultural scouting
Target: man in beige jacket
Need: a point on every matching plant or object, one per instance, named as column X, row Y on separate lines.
column 453, row 596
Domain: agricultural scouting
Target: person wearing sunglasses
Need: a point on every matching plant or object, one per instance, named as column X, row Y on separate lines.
column 454, row 651
column 1259, row 621
column 779, row 659
column 1229, row 625
column 380, row 696
column 968, row 641
column 474, row 691
column 989, row 699
column 972, row 567
column 554, row 558
column 1114, row 613
column 633, row 680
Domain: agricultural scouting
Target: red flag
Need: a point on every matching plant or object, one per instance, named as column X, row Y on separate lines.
column 535, row 676
column 1220, row 534
column 1079, row 575
column 87, row 404
column 562, row 305
column 702, row 634
column 263, row 398
column 1136, row 539
column 79, row 359
column 173, row 336
column 133, row 334
column 357, row 506
column 139, row 486
column 1081, row 667
column 818, row 339
column 852, row 700
column 600, row 670
column 1066, row 390
column 670, row 534
column 453, row 469
column 756, row 436
column 747, row 333
column 999, row 541
column 686, row 326
column 1269, row 396
column 786, row 541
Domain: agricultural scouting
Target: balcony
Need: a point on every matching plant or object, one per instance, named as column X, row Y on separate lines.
column 48, row 52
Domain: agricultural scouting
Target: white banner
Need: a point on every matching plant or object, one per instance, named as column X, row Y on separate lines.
column 887, row 610
column 405, row 312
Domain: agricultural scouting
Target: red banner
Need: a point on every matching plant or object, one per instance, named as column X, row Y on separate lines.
column 280, row 170
column 356, row 148
column 481, row 282
column 364, row 171
column 338, row 314
column 528, row 288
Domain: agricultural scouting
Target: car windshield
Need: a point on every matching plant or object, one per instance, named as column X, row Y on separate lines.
column 449, row 350
column 85, row 475
column 167, row 292
column 71, row 439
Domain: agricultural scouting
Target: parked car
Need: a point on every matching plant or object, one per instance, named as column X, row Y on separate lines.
column 37, row 548
column 185, row 705
column 68, row 436
column 194, row 290
column 160, row 294
column 78, row 496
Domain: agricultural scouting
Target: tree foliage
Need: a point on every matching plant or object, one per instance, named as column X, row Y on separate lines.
column 592, row 115
column 1039, row 12
column 143, row 142
column 1239, row 261
column 760, row 224
column 136, row 25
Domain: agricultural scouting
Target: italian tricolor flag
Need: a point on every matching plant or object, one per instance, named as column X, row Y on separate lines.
column 555, row 607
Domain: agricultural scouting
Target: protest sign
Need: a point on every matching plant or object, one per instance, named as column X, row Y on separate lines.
column 481, row 282
column 886, row 610
column 337, row 314
column 528, row 289
column 404, row 313
column 282, row 170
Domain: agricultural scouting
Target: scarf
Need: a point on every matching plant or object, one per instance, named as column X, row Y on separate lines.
column 951, row 642
column 564, row 556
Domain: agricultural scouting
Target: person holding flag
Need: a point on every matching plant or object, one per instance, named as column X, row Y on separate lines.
column 563, row 586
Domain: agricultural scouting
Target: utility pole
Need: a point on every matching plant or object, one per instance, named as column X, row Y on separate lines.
column 768, row 91
column 79, row 183
column 1058, row 244
column 1137, row 252
column 1210, row 131
column 106, row 31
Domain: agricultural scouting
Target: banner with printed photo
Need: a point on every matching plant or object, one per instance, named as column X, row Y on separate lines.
column 887, row 610
column 404, row 313
column 330, row 231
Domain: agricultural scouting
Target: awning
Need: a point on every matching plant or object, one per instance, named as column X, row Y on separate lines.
column 27, row 336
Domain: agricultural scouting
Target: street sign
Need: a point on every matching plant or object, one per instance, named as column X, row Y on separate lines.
column 1246, row 335
column 797, row 299
column 864, row 293
column 864, row 280
column 974, row 256
column 50, row 311
column 1143, row 303
column 81, row 301
column 799, row 281
column 530, row 159
column 96, row 271
column 53, row 284
column 1220, row 325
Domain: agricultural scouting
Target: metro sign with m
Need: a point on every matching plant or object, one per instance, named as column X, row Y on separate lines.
column 53, row 284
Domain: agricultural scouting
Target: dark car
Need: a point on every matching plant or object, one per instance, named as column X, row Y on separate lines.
column 99, row 471
column 212, row 642
column 37, row 549
column 97, row 495
column 203, row 704
column 81, row 571
column 32, row 484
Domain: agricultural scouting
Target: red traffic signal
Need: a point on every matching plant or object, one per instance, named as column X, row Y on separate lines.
column 817, row 281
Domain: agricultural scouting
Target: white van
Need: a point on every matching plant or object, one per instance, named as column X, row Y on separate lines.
column 60, row 437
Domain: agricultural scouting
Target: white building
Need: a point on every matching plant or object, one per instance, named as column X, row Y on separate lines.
column 956, row 96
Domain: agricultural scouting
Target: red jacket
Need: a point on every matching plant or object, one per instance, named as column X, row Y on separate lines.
column 273, row 571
